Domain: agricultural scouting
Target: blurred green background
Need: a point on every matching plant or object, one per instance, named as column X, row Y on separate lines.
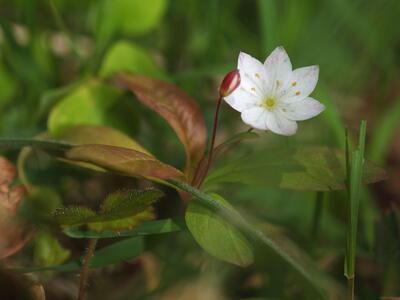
column 58, row 56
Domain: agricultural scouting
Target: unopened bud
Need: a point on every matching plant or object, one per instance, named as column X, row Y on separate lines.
column 230, row 83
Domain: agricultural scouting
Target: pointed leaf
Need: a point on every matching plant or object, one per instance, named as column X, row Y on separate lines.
column 305, row 169
column 122, row 160
column 218, row 237
column 178, row 109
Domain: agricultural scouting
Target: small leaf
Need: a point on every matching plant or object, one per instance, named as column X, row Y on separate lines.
column 218, row 237
column 178, row 109
column 48, row 251
column 128, row 57
column 113, row 254
column 147, row 228
column 120, row 210
column 126, row 203
column 304, row 169
column 73, row 215
column 15, row 233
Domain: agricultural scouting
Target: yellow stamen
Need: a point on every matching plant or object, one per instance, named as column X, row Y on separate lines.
column 269, row 103
column 258, row 75
column 297, row 93
column 253, row 89
column 294, row 83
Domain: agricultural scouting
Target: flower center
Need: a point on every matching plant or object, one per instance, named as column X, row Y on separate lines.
column 269, row 103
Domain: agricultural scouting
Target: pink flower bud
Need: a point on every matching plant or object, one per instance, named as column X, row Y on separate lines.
column 230, row 82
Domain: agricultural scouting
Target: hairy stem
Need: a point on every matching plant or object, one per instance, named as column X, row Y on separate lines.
column 85, row 268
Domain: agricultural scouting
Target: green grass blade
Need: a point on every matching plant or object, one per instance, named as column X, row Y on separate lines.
column 355, row 179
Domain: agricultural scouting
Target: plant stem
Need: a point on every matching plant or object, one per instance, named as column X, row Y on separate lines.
column 200, row 172
column 85, row 268
column 319, row 203
column 350, row 283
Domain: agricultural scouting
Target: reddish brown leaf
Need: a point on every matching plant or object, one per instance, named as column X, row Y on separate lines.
column 178, row 109
column 123, row 160
column 14, row 232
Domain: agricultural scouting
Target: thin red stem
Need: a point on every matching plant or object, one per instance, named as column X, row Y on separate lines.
column 212, row 143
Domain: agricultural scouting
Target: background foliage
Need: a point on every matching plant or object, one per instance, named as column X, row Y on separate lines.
column 58, row 59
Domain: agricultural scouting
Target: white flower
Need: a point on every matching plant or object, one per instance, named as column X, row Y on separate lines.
column 272, row 96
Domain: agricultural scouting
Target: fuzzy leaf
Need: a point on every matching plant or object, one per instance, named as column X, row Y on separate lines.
column 177, row 108
column 218, row 237
column 120, row 210
column 305, row 169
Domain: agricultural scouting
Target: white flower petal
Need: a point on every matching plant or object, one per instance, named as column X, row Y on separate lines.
column 303, row 109
column 278, row 68
column 278, row 123
column 302, row 83
column 241, row 99
column 249, row 64
column 252, row 73
column 256, row 117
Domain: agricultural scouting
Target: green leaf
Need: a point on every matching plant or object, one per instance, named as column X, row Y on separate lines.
column 74, row 215
column 92, row 134
column 90, row 103
column 221, row 150
column 120, row 210
column 113, row 254
column 218, row 237
column 130, row 17
column 128, row 57
column 289, row 253
column 48, row 251
column 147, row 228
column 304, row 169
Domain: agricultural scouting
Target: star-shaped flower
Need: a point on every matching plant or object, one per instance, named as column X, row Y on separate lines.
column 272, row 96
